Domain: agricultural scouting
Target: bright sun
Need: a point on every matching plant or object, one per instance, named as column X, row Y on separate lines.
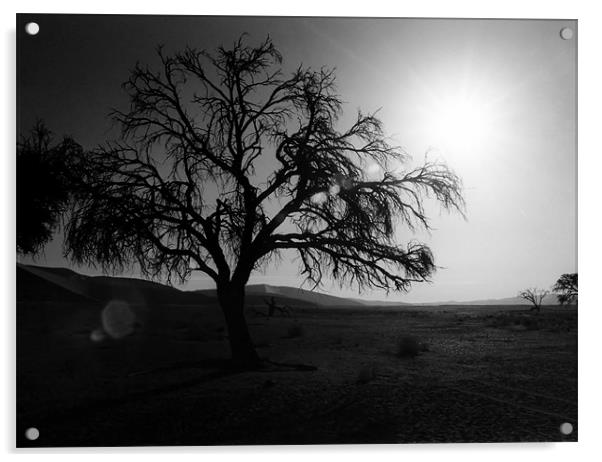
column 459, row 122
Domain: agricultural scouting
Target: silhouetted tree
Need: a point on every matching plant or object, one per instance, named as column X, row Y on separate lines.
column 224, row 162
column 44, row 186
column 566, row 288
column 535, row 297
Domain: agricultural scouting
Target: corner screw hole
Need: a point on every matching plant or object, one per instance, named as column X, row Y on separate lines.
column 566, row 33
column 32, row 433
column 566, row 428
column 32, row 28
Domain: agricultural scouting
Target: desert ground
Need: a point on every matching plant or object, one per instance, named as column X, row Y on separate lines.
column 481, row 374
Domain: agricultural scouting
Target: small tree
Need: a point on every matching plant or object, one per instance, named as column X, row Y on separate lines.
column 224, row 162
column 44, row 186
column 535, row 297
column 566, row 288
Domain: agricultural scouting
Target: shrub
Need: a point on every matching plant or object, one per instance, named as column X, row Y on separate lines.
column 531, row 324
column 408, row 347
column 367, row 374
column 295, row 331
column 514, row 322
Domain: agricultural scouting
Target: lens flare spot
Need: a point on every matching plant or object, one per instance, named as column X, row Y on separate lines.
column 118, row 319
column 97, row 335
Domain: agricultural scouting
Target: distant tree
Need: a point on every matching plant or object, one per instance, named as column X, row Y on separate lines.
column 535, row 297
column 44, row 186
column 566, row 288
column 224, row 162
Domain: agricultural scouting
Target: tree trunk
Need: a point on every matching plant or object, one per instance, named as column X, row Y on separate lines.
column 232, row 302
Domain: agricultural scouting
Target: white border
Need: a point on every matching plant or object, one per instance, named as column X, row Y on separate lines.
column 590, row 125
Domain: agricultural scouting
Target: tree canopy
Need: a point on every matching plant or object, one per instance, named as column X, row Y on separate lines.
column 566, row 288
column 44, row 186
column 176, row 193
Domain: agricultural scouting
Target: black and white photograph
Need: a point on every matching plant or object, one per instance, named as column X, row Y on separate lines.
column 277, row 230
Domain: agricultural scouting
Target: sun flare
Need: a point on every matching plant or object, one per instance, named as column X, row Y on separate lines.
column 460, row 121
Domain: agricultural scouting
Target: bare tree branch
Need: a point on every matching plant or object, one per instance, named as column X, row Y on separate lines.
column 180, row 191
column 534, row 296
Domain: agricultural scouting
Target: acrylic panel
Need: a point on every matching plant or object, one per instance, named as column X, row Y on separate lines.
column 295, row 230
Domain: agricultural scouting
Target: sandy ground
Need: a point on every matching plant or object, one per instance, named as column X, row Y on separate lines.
column 490, row 374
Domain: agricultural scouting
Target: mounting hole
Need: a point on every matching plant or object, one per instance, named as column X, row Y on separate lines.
column 32, row 28
column 566, row 33
column 32, row 433
column 566, row 428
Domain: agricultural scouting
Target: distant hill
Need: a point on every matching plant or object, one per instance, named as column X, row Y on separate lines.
column 38, row 283
column 34, row 287
column 549, row 299
column 303, row 295
column 259, row 293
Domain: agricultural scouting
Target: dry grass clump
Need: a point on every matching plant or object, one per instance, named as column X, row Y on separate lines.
column 514, row 321
column 366, row 374
column 409, row 346
column 295, row 330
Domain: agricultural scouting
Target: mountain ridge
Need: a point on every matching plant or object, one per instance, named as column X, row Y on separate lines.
column 136, row 290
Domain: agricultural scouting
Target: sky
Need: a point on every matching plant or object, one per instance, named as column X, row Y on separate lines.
column 494, row 99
